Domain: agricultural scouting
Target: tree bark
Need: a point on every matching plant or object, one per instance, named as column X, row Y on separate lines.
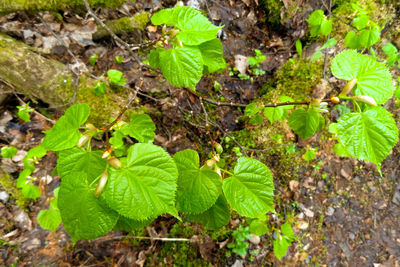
column 35, row 6
column 27, row 72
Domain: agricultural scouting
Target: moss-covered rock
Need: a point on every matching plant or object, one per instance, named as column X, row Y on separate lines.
column 8, row 183
column 272, row 11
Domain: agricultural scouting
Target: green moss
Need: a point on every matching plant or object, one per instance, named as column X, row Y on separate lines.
column 273, row 11
column 295, row 79
column 8, row 183
column 381, row 12
column 180, row 253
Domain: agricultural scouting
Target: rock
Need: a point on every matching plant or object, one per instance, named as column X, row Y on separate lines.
column 241, row 63
column 238, row 263
column 47, row 179
column 255, row 239
column 4, row 196
column 31, row 244
column 19, row 156
column 22, row 220
column 303, row 225
column 330, row 211
column 307, row 212
column 293, row 185
column 396, row 196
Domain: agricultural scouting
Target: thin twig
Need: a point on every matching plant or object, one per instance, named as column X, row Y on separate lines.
column 164, row 239
column 113, row 35
column 121, row 112
column 204, row 110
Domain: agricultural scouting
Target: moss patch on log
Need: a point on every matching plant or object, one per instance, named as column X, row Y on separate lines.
column 123, row 25
column 35, row 6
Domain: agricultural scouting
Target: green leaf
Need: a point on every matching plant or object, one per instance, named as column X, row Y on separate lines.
column 212, row 54
column 83, row 215
column 256, row 120
column 145, row 186
column 389, row 49
column 258, row 227
column 287, row 230
column 360, row 22
column 316, row 18
column 250, row 191
column 141, row 128
column 252, row 109
column 194, row 27
column 8, row 151
column 326, row 27
column 373, row 77
column 99, row 88
column 49, row 219
column 31, row 191
column 340, row 150
column 368, row 136
column 78, row 159
column 369, row 37
column 284, row 241
column 215, row 217
column 310, row 154
column 278, row 113
column 331, row 42
column 198, row 189
column 352, row 40
column 164, row 16
column 129, row 225
column 182, row 67
column 305, row 123
column 299, row 47
column 154, row 58
column 64, row 133
column 116, row 77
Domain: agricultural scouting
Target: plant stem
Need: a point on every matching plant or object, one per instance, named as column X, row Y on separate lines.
column 228, row 172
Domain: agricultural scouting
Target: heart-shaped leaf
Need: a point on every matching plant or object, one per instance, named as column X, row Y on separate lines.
column 369, row 135
column 198, row 189
column 373, row 77
column 64, row 133
column 250, row 191
column 145, row 185
column 84, row 216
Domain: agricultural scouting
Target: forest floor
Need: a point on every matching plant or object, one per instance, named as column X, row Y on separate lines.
column 344, row 212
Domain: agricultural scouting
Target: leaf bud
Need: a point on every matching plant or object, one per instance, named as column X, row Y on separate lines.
column 366, row 99
column 211, row 162
column 173, row 33
column 91, row 127
column 218, row 148
column 114, row 162
column 106, row 154
column 83, row 140
column 335, row 99
column 218, row 170
column 101, row 184
column 349, row 86
column 216, row 157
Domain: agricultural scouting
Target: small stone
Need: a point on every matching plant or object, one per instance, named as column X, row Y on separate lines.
column 307, row 212
column 238, row 263
column 19, row 156
column 23, row 221
column 345, row 172
column 255, row 239
column 241, row 63
column 303, row 225
column 293, row 185
column 352, row 236
column 301, row 215
column 396, row 196
column 330, row 211
column 47, row 179
column 4, row 196
column 31, row 244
